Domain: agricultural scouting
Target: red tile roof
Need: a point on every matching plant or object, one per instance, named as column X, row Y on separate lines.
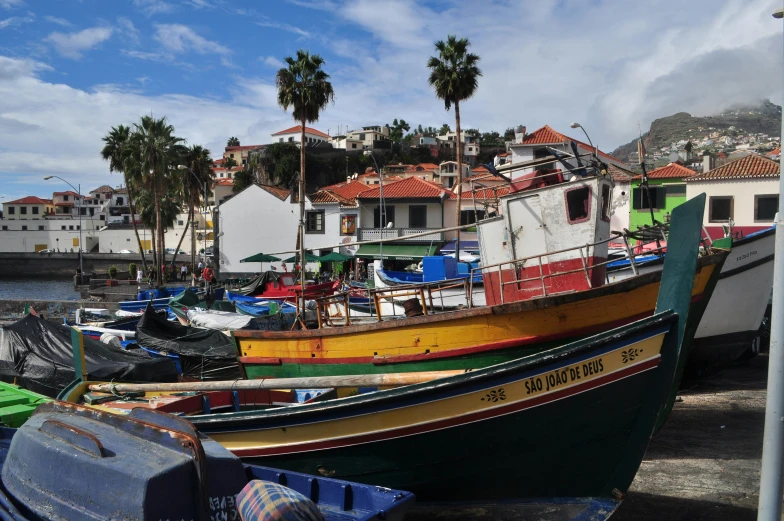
column 243, row 147
column 30, row 199
column 69, row 192
column 547, row 136
column 481, row 194
column 342, row 193
column 752, row 166
column 671, row 171
column 224, row 182
column 621, row 174
column 298, row 129
column 103, row 189
column 479, row 170
column 774, row 152
column 280, row 193
column 411, row 188
column 232, row 169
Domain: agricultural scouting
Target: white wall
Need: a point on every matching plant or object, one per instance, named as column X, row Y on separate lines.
column 743, row 192
column 14, row 239
column 621, row 206
column 255, row 221
column 401, row 214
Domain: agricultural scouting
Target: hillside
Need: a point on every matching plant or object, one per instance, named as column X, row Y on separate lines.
column 742, row 124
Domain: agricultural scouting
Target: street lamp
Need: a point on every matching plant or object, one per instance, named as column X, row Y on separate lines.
column 772, row 448
column 79, row 193
column 193, row 260
column 595, row 150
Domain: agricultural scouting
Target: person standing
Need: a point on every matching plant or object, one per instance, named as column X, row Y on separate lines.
column 139, row 278
column 183, row 272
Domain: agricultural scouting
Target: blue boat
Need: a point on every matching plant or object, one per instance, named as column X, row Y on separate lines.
column 151, row 465
column 264, row 307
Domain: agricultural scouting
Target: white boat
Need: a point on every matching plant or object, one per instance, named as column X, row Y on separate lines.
column 454, row 294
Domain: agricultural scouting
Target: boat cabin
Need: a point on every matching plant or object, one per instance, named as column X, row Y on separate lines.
column 549, row 236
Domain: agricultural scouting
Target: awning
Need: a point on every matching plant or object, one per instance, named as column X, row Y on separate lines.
column 397, row 251
column 464, row 246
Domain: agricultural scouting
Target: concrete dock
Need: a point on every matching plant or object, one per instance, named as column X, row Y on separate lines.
column 702, row 466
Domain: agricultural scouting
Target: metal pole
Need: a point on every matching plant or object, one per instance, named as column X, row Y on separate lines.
column 81, row 265
column 205, row 225
column 773, row 439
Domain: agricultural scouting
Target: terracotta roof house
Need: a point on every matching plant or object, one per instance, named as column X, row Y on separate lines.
column 667, row 189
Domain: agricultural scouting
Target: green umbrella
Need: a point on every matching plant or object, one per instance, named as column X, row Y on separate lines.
column 309, row 257
column 335, row 257
column 260, row 257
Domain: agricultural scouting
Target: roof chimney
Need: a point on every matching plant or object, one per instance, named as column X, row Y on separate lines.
column 707, row 162
column 519, row 133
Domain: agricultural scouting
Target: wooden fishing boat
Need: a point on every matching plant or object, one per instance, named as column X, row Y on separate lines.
column 112, row 467
column 17, row 404
column 475, row 337
column 281, row 286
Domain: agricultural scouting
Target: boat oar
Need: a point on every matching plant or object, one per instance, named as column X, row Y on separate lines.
column 315, row 382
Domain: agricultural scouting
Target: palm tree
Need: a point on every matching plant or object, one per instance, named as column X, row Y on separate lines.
column 455, row 75
column 156, row 152
column 115, row 151
column 198, row 160
column 233, row 142
column 304, row 87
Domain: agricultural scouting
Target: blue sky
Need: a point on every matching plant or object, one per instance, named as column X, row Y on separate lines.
column 71, row 69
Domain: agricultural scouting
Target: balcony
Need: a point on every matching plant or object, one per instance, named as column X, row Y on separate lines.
column 400, row 234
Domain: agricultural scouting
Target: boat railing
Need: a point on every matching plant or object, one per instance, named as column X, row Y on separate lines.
column 339, row 302
column 517, row 265
column 426, row 293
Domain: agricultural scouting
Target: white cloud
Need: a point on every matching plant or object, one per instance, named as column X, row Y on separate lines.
column 178, row 39
column 272, row 62
column 15, row 21
column 200, row 4
column 153, row 7
column 127, row 29
column 285, row 27
column 59, row 21
column 72, row 45
column 10, row 4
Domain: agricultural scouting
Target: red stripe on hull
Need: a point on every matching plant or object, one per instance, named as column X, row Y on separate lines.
column 717, row 232
column 452, row 422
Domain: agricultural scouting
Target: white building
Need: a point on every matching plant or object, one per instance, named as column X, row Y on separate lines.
column 370, row 137
column 621, row 198
column 294, row 134
column 745, row 191
column 346, row 143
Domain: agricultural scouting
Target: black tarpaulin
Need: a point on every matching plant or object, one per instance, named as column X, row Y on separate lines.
column 204, row 354
column 256, row 285
column 39, row 355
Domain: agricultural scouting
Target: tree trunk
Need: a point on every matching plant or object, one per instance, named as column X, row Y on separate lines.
column 193, row 239
column 154, row 245
column 135, row 228
column 159, row 231
column 302, row 215
column 177, row 249
column 459, row 177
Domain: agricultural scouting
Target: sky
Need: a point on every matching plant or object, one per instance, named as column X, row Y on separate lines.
column 72, row 69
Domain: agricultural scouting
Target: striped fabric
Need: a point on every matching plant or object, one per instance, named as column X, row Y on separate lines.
column 267, row 501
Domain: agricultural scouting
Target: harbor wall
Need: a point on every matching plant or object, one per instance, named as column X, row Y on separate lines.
column 51, row 265
column 14, row 309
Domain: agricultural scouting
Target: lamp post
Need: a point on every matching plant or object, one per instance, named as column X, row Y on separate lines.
column 773, row 439
column 595, row 150
column 184, row 167
column 79, row 193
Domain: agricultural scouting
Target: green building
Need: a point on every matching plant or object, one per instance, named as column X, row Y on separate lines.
column 667, row 190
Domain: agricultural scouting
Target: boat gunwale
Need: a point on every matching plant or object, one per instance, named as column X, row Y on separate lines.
column 526, row 363
column 622, row 286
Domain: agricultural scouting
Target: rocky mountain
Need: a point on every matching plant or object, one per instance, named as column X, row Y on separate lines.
column 738, row 120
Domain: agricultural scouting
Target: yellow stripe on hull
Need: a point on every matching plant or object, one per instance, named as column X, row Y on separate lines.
column 517, row 392
column 464, row 332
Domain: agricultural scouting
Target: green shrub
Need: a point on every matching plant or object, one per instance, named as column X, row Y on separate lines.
column 132, row 269
column 112, row 271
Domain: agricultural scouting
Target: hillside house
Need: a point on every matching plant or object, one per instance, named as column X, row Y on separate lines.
column 667, row 190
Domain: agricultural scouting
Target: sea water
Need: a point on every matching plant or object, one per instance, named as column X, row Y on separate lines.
column 38, row 289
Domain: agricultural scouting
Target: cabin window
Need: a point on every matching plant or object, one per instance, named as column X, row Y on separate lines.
column 720, row 209
column 676, row 190
column 314, row 221
column 417, row 216
column 765, row 207
column 389, row 216
column 606, row 202
column 640, row 198
column 578, row 204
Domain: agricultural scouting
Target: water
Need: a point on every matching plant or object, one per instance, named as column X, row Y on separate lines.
column 37, row 289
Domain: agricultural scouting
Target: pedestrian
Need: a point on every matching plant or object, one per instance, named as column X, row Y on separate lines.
column 201, row 266
column 139, row 278
column 183, row 272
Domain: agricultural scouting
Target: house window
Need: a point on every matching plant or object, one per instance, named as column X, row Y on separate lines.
column 389, row 216
column 40, row 227
column 417, row 216
column 11, row 210
column 291, row 139
column 280, row 140
column 35, row 210
column 605, row 202
column 83, row 210
column 765, row 207
column 353, row 145
column 62, row 227
column 640, row 198
column 77, row 226
column 362, row 137
column 678, row 190
column 119, row 201
column 314, row 221
column 70, row 227
column 231, row 156
column 578, row 204
column 471, row 216
column 5, row 228
column 23, row 210
column 720, row 209
column 65, row 198
column 348, row 225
